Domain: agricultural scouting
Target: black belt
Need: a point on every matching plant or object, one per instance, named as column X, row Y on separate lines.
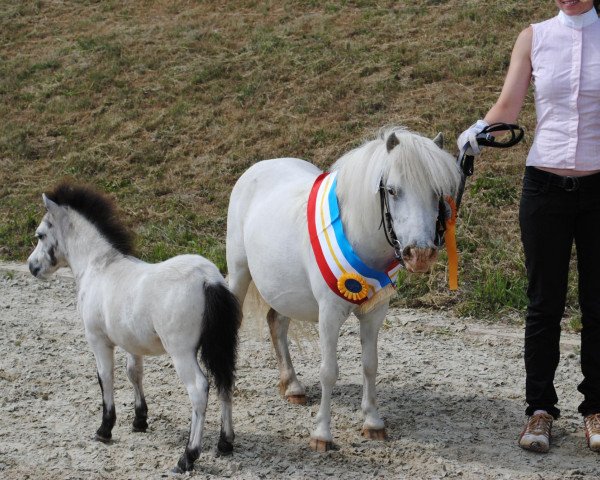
column 567, row 183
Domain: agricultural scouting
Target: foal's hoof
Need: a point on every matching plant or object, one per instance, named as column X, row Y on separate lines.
column 296, row 399
column 319, row 445
column 102, row 438
column 139, row 426
column 224, row 448
column 374, row 434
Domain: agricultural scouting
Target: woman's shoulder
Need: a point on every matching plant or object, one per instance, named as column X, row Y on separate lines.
column 545, row 23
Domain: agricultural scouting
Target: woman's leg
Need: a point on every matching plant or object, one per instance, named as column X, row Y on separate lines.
column 587, row 240
column 546, row 217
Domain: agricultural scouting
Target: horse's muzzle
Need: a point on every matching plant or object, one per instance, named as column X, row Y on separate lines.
column 34, row 269
column 419, row 260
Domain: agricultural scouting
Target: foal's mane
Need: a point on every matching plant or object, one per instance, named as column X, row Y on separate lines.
column 98, row 209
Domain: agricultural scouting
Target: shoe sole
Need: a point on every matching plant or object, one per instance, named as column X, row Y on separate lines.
column 535, row 447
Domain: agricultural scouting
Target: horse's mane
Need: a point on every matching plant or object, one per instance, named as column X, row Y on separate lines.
column 414, row 163
column 98, row 209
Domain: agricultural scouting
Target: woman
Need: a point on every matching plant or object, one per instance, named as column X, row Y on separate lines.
column 560, row 202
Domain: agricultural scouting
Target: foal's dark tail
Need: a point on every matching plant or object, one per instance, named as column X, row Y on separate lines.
column 219, row 339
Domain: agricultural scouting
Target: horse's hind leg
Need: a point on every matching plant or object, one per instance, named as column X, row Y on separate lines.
column 227, row 436
column 373, row 426
column 289, row 386
column 135, row 373
column 104, row 354
column 186, row 365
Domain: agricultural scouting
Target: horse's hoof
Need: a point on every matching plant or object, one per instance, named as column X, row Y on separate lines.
column 100, row 438
column 296, row 399
column 224, row 448
column 139, row 427
column 374, row 434
column 319, row 445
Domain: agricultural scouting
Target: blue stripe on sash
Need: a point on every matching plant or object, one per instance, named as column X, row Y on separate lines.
column 345, row 247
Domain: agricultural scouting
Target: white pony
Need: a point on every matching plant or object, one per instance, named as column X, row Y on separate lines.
column 180, row 306
column 268, row 243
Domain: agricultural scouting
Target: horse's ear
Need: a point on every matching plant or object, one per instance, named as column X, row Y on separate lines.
column 50, row 205
column 439, row 140
column 392, row 141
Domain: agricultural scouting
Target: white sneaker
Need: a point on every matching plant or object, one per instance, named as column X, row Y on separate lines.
column 592, row 431
column 536, row 434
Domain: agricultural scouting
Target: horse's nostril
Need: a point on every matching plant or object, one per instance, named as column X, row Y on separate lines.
column 34, row 270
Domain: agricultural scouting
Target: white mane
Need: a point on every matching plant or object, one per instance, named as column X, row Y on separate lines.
column 415, row 163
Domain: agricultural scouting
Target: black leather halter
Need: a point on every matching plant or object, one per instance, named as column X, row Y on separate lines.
column 387, row 223
column 466, row 164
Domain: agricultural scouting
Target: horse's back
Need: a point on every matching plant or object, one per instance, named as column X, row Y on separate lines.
column 267, row 233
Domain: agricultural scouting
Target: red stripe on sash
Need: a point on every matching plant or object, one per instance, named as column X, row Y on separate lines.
column 328, row 275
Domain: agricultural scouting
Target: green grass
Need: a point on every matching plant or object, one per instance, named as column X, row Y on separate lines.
column 165, row 104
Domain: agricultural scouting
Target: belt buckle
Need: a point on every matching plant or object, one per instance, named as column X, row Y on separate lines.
column 571, row 184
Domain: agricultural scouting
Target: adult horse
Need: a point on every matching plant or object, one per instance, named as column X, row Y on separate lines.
column 315, row 248
column 180, row 306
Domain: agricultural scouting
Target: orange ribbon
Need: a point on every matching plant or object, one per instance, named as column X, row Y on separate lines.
column 450, row 239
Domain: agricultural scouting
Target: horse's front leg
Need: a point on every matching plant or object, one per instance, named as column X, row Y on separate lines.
column 329, row 331
column 370, row 323
column 104, row 354
column 135, row 373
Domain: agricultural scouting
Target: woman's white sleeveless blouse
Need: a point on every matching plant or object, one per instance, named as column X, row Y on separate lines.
column 565, row 56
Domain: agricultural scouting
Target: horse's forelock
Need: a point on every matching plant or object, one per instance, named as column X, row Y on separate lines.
column 417, row 161
column 413, row 162
column 98, row 209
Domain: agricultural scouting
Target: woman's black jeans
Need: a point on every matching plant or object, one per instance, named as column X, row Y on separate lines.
column 556, row 211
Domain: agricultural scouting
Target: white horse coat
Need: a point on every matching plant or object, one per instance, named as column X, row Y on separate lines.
column 268, row 242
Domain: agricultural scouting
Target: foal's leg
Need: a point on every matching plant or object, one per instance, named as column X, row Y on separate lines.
column 135, row 373
column 289, row 386
column 104, row 354
column 227, row 436
column 370, row 323
column 186, row 365
column 329, row 331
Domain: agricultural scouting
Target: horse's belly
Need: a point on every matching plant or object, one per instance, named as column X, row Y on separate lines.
column 137, row 344
column 300, row 305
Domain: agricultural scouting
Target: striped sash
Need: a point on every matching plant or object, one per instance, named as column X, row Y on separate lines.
column 342, row 269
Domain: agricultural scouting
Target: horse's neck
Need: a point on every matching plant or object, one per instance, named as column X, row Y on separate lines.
column 367, row 239
column 88, row 251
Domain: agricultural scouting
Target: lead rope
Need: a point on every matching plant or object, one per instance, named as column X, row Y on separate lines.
column 451, row 249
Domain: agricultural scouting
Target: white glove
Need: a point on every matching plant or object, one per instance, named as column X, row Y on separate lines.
column 467, row 142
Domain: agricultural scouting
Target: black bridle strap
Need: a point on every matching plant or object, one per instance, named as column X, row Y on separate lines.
column 386, row 223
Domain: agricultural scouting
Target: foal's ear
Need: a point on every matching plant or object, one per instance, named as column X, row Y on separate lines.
column 392, row 141
column 439, row 140
column 50, row 205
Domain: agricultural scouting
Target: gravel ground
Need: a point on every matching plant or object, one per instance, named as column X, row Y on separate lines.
column 450, row 391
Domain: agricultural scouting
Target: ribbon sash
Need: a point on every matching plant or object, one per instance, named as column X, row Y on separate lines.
column 345, row 273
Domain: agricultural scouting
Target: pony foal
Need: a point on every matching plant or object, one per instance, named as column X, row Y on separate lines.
column 180, row 306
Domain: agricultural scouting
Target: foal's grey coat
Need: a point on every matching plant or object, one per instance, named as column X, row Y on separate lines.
column 181, row 307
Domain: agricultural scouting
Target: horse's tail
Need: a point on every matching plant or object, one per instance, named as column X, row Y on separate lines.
column 219, row 339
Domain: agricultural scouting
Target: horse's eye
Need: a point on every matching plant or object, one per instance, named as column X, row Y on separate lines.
column 394, row 192
column 40, row 236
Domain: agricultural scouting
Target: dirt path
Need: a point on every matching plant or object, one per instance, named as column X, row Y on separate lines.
column 450, row 391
